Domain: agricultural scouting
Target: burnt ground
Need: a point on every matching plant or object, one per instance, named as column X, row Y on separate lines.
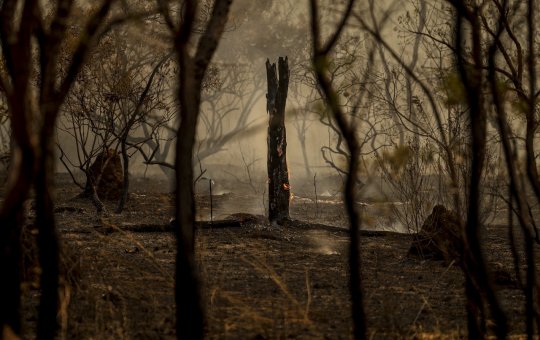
column 259, row 281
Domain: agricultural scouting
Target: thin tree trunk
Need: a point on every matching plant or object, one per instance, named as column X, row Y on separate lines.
column 517, row 195
column 320, row 64
column 530, row 287
column 23, row 162
column 477, row 284
column 34, row 164
column 10, row 285
column 305, row 156
column 10, row 256
column 125, row 187
column 47, row 241
column 531, row 291
column 278, row 174
column 11, row 219
column 190, row 313
column 189, row 309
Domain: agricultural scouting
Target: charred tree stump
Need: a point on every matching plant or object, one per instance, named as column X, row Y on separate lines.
column 278, row 174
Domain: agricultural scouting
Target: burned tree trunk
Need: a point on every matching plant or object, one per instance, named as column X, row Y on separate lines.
column 190, row 318
column 278, row 174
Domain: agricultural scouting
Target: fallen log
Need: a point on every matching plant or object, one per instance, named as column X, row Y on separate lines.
column 166, row 228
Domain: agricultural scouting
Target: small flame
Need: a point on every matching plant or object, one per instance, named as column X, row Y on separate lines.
column 280, row 151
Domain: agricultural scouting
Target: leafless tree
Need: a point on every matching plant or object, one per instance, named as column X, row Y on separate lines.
column 232, row 100
column 320, row 57
column 302, row 120
column 230, row 92
column 484, row 61
column 474, row 266
column 279, row 190
column 349, row 71
column 193, row 64
column 506, row 38
column 35, row 87
column 120, row 92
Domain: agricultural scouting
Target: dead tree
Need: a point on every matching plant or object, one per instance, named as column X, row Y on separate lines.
column 517, row 198
column 278, row 174
column 193, row 65
column 476, row 283
column 320, row 58
column 32, row 50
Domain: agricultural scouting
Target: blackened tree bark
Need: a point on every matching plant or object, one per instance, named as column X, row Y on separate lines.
column 189, row 310
column 125, row 169
column 278, row 173
column 320, row 59
column 518, row 193
column 480, row 292
column 47, row 238
column 134, row 117
column 531, row 290
column 22, row 166
column 33, row 128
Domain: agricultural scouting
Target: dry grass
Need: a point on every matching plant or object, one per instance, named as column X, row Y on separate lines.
column 258, row 282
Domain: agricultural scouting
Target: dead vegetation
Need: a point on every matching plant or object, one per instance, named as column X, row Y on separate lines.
column 260, row 281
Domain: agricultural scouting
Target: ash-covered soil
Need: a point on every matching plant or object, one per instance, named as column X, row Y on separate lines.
column 259, row 281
